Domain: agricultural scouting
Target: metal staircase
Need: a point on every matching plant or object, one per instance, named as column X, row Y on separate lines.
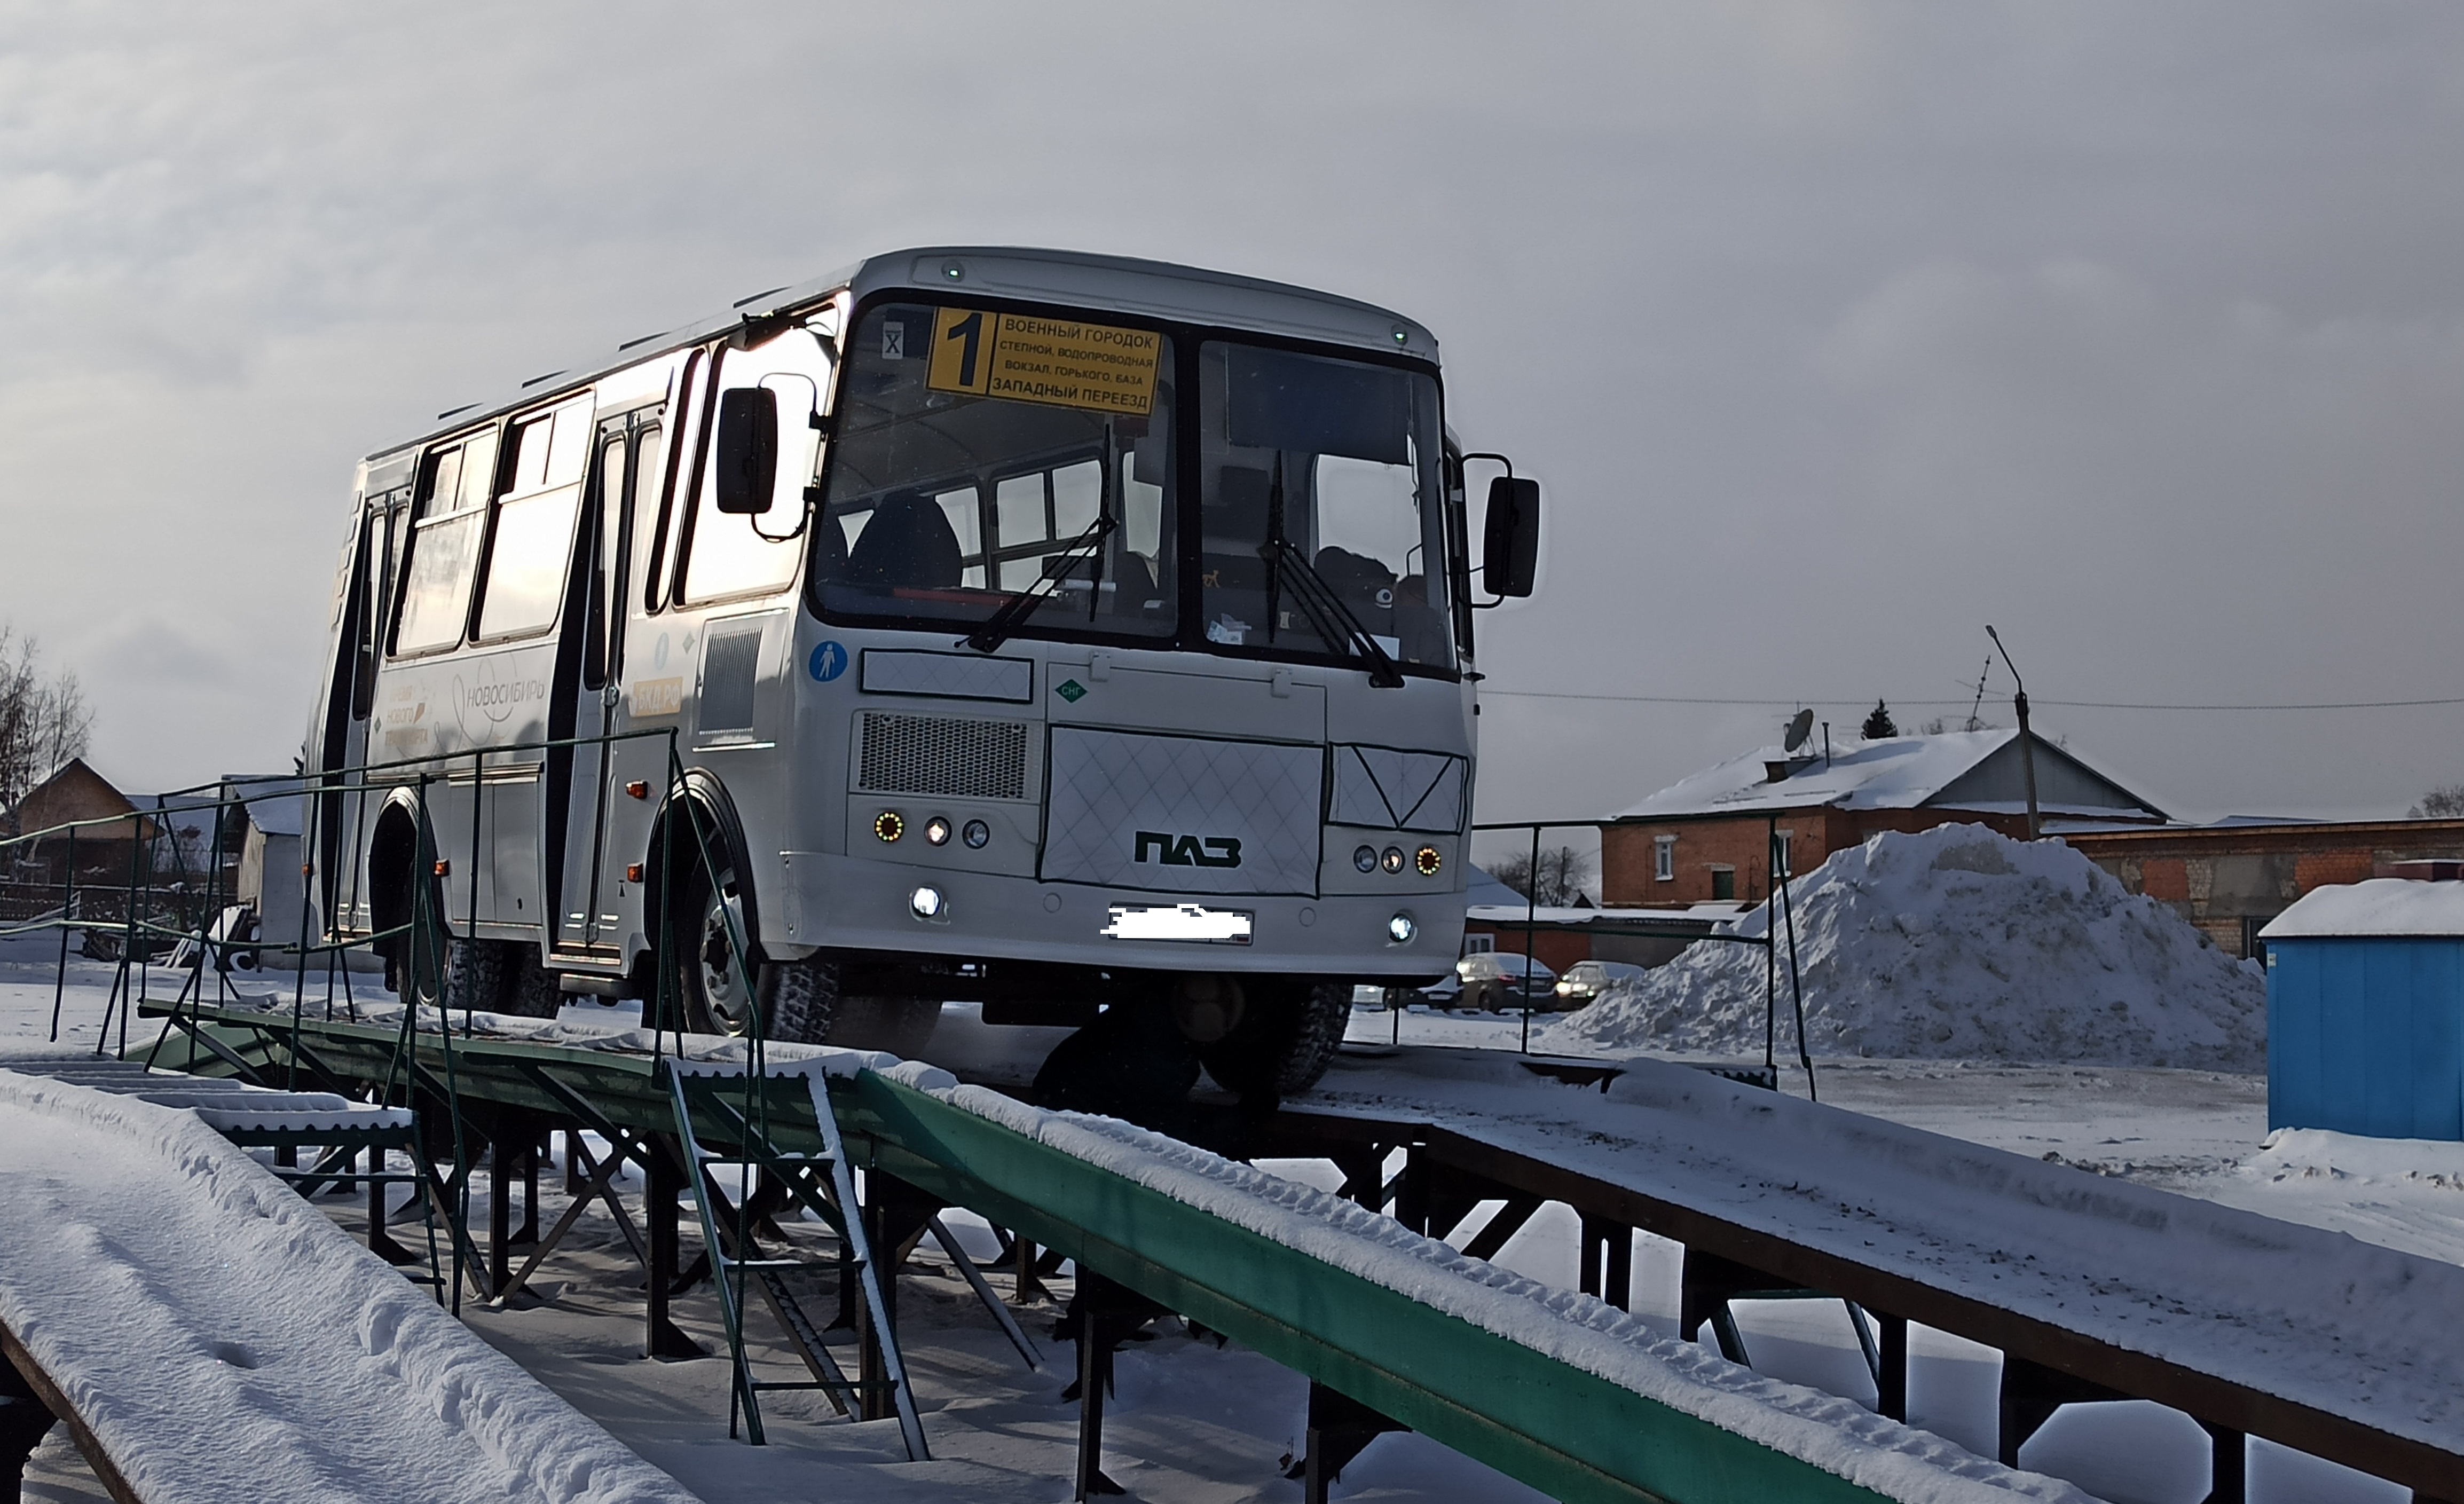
column 729, row 1120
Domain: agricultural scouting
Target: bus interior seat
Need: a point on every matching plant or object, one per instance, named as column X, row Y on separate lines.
column 908, row 544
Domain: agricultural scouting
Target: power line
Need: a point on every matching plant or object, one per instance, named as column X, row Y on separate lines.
column 2066, row 704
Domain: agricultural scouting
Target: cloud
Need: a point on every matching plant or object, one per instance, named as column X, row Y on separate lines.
column 1831, row 329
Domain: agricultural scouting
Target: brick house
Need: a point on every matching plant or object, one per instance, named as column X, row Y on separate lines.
column 2231, row 878
column 1707, row 838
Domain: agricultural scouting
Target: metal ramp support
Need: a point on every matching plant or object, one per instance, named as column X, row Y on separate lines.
column 717, row 1133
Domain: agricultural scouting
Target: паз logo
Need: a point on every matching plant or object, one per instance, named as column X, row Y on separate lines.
column 1189, row 851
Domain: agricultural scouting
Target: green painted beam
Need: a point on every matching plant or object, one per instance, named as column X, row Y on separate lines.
column 1568, row 1433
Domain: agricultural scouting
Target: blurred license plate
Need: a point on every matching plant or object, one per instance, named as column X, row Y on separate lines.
column 1180, row 921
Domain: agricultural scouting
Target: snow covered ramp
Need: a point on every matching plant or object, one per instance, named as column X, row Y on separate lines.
column 1559, row 1389
column 218, row 1338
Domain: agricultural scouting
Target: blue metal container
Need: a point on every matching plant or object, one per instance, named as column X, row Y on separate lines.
column 2366, row 1010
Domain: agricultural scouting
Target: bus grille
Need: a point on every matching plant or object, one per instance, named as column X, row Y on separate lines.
column 955, row 756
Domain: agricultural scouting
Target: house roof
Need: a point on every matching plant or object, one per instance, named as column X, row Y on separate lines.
column 274, row 801
column 1968, row 770
column 2380, row 907
column 75, row 793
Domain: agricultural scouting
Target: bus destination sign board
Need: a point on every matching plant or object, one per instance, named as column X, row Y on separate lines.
column 1064, row 363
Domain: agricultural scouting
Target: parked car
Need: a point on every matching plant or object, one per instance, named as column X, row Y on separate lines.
column 1586, row 979
column 1500, row 980
column 1445, row 992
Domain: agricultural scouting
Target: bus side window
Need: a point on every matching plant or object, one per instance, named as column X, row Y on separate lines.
column 624, row 529
column 740, row 555
column 532, row 544
column 668, row 482
column 367, row 628
column 606, row 571
column 444, row 544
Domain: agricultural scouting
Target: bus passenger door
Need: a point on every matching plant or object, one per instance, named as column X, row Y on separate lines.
column 626, row 465
column 342, row 746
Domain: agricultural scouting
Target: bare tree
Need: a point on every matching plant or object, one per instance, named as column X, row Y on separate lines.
column 1563, row 871
column 44, row 719
column 2443, row 803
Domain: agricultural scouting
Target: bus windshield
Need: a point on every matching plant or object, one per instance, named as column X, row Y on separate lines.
column 979, row 454
column 1324, row 518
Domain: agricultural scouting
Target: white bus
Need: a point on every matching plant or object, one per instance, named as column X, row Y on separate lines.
column 1052, row 631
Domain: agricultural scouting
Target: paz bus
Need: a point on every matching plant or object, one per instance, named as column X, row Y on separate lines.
column 1053, row 631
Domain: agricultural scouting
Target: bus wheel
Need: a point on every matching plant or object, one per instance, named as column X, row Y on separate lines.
column 532, row 991
column 1287, row 1037
column 800, row 999
column 716, row 986
column 795, row 1000
column 477, row 975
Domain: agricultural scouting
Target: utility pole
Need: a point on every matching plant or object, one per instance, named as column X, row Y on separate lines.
column 2027, row 742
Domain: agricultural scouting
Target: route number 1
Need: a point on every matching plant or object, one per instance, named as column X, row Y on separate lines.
column 963, row 351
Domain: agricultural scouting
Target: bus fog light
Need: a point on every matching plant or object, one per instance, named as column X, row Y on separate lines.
column 1392, row 859
column 1365, row 858
column 1400, row 929
column 1428, row 859
column 975, row 834
column 926, row 903
column 936, row 831
column 888, row 824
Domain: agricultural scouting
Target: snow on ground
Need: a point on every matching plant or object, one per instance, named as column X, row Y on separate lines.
column 1192, row 1423
column 225, row 1340
column 2405, row 1193
column 1956, row 943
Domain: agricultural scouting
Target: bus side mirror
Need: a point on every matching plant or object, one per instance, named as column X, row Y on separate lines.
column 1510, row 537
column 748, row 449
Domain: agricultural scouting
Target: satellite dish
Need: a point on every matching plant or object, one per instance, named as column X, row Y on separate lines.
column 1800, row 729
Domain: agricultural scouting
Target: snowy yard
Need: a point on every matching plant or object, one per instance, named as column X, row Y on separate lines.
column 1194, row 1422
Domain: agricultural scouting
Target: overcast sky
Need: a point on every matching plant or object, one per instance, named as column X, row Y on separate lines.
column 1834, row 331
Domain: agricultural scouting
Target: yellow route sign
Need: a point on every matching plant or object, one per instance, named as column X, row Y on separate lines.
column 1064, row 363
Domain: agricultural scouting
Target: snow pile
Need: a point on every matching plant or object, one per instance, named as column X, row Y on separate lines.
column 224, row 1340
column 1957, row 942
column 1835, row 1435
column 2400, row 1193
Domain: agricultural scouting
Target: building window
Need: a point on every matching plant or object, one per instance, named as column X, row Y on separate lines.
column 1479, row 945
column 1663, row 858
column 1787, row 854
column 1723, row 883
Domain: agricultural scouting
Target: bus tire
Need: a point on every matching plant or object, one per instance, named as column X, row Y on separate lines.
column 1287, row 1037
column 799, row 1000
column 478, row 975
column 532, row 993
column 792, row 1000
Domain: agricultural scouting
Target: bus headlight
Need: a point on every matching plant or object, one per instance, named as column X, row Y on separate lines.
column 1428, row 859
column 1392, row 859
column 889, row 825
column 1365, row 859
column 926, row 903
column 936, row 831
column 1400, row 929
column 975, row 834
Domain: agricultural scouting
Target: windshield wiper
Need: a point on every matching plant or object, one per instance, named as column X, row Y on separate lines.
column 997, row 626
column 1328, row 616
